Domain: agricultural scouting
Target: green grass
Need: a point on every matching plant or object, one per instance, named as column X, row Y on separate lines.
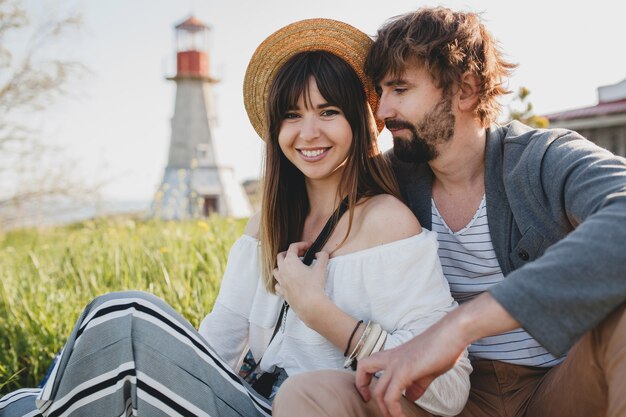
column 48, row 276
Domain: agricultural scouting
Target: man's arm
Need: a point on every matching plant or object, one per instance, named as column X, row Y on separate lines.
column 412, row 366
column 575, row 186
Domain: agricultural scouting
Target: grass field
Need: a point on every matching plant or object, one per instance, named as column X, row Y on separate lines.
column 47, row 276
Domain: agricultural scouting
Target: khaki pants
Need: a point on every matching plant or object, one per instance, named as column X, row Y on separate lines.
column 591, row 382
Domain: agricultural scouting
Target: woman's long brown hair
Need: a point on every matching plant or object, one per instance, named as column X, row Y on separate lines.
column 285, row 203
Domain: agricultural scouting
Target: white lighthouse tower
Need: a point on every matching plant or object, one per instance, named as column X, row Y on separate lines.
column 195, row 184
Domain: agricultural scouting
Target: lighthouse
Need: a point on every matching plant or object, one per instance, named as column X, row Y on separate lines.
column 195, row 183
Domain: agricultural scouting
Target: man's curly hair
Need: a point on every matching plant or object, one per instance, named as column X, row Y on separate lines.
column 448, row 44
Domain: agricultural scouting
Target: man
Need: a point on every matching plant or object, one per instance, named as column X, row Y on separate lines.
column 532, row 232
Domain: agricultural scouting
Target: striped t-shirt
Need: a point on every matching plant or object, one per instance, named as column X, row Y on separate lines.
column 471, row 267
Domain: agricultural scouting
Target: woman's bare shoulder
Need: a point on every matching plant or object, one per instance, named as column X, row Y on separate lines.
column 387, row 219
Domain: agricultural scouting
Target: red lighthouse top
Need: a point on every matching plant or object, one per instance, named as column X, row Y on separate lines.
column 192, row 24
column 192, row 49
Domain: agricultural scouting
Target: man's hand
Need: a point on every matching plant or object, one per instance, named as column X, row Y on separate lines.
column 411, row 367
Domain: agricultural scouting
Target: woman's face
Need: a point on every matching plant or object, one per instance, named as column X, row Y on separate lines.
column 316, row 136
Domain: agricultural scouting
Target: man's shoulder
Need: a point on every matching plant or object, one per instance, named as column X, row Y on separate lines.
column 518, row 144
column 516, row 134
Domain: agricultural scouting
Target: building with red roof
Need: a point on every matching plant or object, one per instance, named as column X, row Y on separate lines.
column 604, row 123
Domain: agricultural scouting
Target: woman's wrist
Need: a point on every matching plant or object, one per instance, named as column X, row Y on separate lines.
column 315, row 310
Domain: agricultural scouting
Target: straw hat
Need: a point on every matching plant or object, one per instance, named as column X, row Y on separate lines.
column 338, row 38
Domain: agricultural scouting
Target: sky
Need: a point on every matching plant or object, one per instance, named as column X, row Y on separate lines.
column 114, row 123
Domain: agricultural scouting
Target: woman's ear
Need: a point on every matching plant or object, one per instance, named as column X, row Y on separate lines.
column 469, row 91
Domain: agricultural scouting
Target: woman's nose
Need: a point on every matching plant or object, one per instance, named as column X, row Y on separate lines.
column 309, row 129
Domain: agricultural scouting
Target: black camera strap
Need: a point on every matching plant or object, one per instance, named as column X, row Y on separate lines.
column 264, row 384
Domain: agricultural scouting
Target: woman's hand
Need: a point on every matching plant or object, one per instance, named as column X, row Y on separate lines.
column 302, row 286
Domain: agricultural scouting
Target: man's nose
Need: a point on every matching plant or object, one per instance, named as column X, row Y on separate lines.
column 385, row 109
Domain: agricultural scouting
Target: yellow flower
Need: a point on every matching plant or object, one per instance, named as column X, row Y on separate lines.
column 163, row 249
column 203, row 225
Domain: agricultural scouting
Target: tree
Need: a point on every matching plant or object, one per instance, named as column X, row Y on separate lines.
column 526, row 114
column 30, row 81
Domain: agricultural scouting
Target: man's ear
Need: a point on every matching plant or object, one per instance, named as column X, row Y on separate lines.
column 468, row 92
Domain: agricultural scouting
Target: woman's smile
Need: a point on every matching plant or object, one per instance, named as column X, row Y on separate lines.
column 314, row 154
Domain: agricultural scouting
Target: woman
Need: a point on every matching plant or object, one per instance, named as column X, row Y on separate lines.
column 307, row 97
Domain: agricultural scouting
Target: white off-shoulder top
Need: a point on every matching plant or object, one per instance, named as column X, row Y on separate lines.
column 399, row 285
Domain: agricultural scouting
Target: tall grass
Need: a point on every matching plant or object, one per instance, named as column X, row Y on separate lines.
column 48, row 276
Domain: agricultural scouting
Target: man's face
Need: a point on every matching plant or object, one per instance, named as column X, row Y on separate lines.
column 416, row 112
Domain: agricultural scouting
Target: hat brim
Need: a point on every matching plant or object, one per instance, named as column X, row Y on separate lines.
column 338, row 38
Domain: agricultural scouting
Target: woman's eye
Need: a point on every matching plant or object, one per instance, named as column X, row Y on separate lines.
column 291, row 115
column 399, row 90
column 330, row 112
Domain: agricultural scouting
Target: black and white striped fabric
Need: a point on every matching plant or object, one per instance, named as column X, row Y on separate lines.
column 132, row 354
column 471, row 267
column 20, row 403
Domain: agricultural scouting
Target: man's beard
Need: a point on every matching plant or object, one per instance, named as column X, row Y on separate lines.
column 435, row 128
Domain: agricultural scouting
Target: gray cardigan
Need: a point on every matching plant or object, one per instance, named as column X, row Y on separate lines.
column 557, row 217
